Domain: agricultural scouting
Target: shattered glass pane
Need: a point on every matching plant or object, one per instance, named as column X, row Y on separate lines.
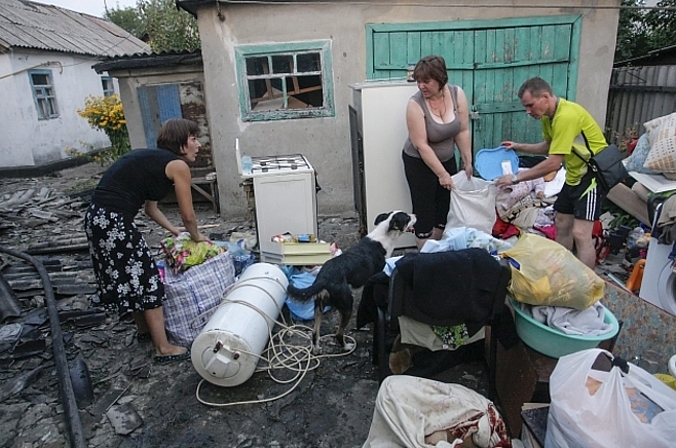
column 309, row 62
column 282, row 64
column 257, row 65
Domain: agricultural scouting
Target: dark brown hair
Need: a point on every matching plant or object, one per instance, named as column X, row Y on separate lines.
column 431, row 67
column 175, row 133
column 536, row 86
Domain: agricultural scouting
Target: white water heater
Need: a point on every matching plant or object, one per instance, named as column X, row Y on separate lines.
column 226, row 351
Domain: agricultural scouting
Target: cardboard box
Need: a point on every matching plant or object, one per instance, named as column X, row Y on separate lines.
column 295, row 248
column 300, row 254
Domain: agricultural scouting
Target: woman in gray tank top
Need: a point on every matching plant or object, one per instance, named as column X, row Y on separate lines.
column 437, row 117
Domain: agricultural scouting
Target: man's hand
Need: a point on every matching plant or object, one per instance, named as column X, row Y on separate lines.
column 504, row 181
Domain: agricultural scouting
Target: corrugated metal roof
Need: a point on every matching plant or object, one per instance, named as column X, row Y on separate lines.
column 45, row 27
column 137, row 61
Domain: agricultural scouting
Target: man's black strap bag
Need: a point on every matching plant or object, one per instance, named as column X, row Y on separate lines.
column 606, row 165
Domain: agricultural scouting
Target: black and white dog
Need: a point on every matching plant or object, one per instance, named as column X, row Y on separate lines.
column 352, row 268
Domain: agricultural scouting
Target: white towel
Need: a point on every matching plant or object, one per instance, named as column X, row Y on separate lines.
column 587, row 322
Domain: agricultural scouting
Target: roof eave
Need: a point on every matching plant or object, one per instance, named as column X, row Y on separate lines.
column 148, row 61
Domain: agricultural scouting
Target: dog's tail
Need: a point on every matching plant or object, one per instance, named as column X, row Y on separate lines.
column 305, row 294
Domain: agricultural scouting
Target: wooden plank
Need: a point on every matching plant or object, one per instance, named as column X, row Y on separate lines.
column 630, row 202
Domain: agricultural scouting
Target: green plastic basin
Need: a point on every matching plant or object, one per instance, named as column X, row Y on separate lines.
column 552, row 342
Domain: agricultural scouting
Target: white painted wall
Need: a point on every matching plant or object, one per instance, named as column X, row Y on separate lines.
column 27, row 141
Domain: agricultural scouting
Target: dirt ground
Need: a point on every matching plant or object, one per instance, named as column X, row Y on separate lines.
column 137, row 403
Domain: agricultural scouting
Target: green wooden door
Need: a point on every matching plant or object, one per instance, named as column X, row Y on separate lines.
column 490, row 60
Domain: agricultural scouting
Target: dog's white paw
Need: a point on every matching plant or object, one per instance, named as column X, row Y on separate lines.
column 316, row 350
column 348, row 346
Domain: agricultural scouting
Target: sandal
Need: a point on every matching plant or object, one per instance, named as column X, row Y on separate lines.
column 143, row 337
column 172, row 358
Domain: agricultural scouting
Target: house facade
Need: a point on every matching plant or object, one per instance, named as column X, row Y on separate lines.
column 279, row 76
column 46, row 58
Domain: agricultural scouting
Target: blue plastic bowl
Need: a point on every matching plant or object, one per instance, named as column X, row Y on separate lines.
column 552, row 342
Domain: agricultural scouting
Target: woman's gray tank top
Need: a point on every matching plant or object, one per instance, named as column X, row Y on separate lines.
column 440, row 136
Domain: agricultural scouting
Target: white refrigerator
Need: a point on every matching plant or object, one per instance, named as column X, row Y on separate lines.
column 377, row 133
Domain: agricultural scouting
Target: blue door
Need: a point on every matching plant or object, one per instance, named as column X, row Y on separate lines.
column 158, row 104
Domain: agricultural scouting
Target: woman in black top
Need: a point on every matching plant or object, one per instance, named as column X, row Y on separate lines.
column 127, row 276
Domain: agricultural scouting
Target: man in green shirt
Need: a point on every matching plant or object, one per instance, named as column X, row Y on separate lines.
column 565, row 124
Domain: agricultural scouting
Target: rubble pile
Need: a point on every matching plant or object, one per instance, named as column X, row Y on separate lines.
column 26, row 206
column 124, row 399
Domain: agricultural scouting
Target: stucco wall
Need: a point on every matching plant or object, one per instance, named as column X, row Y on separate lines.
column 325, row 141
column 130, row 80
column 27, row 141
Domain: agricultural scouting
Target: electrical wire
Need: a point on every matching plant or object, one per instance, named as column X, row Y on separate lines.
column 472, row 5
column 281, row 354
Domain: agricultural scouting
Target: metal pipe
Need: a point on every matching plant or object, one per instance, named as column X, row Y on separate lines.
column 77, row 439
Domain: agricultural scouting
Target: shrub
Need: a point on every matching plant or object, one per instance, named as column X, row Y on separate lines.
column 105, row 113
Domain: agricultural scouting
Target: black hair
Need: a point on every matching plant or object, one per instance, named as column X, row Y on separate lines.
column 175, row 133
column 536, row 86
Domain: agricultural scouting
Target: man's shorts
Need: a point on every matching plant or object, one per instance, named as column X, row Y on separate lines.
column 583, row 201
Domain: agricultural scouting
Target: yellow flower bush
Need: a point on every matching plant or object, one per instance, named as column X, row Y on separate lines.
column 105, row 113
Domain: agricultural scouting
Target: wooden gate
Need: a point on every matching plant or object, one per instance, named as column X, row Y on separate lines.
column 489, row 60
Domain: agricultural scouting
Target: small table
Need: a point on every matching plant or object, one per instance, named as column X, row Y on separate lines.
column 212, row 195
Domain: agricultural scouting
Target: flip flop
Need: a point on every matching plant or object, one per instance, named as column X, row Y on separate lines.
column 172, row 358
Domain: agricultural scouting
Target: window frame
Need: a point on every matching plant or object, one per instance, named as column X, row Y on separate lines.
column 41, row 93
column 111, row 91
column 323, row 47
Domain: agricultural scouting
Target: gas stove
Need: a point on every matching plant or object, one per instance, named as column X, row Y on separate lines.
column 268, row 164
column 278, row 165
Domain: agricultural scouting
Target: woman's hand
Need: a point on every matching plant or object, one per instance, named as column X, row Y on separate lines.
column 199, row 237
column 446, row 181
column 469, row 171
column 509, row 145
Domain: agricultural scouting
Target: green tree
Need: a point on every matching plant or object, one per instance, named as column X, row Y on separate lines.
column 168, row 27
column 160, row 23
column 128, row 19
column 632, row 33
column 640, row 31
column 662, row 23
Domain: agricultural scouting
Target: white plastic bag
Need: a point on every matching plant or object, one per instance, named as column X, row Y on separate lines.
column 606, row 419
column 472, row 203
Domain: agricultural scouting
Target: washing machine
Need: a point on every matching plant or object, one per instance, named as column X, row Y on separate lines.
column 658, row 285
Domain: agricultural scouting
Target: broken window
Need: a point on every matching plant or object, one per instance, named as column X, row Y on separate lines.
column 285, row 81
column 43, row 93
column 108, row 86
